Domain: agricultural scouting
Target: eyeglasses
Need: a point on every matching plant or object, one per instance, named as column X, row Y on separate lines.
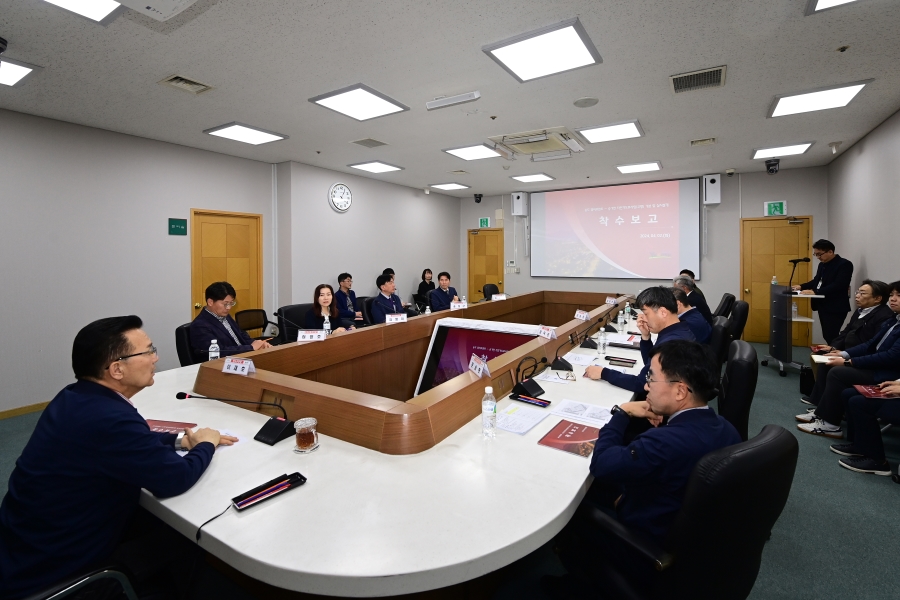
column 667, row 381
column 819, row 254
column 152, row 352
column 229, row 304
column 568, row 377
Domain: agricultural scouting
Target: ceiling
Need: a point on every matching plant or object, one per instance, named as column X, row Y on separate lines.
column 265, row 59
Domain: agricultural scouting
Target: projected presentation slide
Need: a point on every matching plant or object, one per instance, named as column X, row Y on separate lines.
column 642, row 231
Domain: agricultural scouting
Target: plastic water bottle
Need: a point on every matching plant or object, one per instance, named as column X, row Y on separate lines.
column 427, row 310
column 488, row 413
column 774, row 280
column 793, row 310
column 214, row 350
column 463, row 299
column 602, row 343
column 327, row 325
column 628, row 310
column 620, row 323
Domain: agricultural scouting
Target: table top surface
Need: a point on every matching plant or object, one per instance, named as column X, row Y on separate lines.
column 372, row 524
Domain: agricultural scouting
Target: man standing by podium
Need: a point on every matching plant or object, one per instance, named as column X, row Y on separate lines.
column 832, row 280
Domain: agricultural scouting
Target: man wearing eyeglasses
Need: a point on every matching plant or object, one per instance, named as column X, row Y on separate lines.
column 832, row 280
column 76, row 486
column 214, row 323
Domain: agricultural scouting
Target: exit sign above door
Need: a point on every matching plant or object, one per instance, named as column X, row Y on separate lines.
column 484, row 222
column 775, row 209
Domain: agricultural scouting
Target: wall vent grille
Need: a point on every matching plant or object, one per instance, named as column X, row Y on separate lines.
column 186, row 85
column 703, row 142
column 369, row 143
column 698, row 80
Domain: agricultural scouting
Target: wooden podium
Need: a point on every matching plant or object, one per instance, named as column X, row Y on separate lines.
column 360, row 385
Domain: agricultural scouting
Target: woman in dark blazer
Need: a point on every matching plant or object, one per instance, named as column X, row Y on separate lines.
column 426, row 284
column 324, row 311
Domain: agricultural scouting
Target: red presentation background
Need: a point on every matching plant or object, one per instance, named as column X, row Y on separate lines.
column 461, row 344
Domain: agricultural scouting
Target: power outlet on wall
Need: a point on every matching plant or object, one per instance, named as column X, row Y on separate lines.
column 510, row 263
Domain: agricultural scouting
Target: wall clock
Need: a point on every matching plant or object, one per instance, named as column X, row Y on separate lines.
column 340, row 197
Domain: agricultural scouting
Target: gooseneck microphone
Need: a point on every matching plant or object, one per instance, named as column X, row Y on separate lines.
column 799, row 260
column 561, row 364
column 273, row 431
column 795, row 262
column 587, row 342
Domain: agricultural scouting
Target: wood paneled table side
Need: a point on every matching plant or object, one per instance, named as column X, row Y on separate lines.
column 368, row 523
column 360, row 385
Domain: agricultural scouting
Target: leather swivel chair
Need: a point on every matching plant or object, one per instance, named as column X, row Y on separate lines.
column 367, row 310
column 183, row 345
column 739, row 313
column 255, row 318
column 489, row 290
column 725, row 306
column 738, row 385
column 76, row 585
column 719, row 341
column 428, row 299
column 714, row 547
column 289, row 318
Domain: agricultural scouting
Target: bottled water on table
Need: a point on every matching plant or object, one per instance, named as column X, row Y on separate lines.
column 488, row 413
column 427, row 310
column 327, row 325
column 774, row 280
column 602, row 343
column 463, row 299
column 793, row 310
column 620, row 323
column 214, row 350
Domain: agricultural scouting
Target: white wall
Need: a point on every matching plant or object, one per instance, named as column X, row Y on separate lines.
column 84, row 235
column 864, row 202
column 387, row 226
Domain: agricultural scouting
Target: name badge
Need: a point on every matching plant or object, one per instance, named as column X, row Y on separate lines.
column 310, row 335
column 479, row 366
column 496, row 297
column 395, row 318
column 610, row 300
column 238, row 366
column 458, row 305
column 582, row 315
column 547, row 332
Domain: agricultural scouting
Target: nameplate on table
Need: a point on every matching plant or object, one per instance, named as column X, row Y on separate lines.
column 479, row 366
column 610, row 300
column 238, row 366
column 495, row 297
column 310, row 335
column 547, row 332
column 395, row 318
column 458, row 305
column 582, row 315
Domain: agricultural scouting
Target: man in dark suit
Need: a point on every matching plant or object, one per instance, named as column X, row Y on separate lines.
column 690, row 316
column 832, row 280
column 872, row 311
column 642, row 481
column 695, row 299
column 875, row 361
column 444, row 294
column 345, row 299
column 865, row 451
column 659, row 315
column 693, row 277
column 76, row 486
column 387, row 301
column 214, row 323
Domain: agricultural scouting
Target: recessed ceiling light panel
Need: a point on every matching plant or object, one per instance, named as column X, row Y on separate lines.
column 476, row 152
column 245, row 133
column 14, row 72
column 375, row 167
column 834, row 96
column 100, row 11
column 546, row 51
column 640, row 167
column 533, row 178
column 760, row 153
column 359, row 102
column 817, row 6
column 614, row 131
column 448, row 186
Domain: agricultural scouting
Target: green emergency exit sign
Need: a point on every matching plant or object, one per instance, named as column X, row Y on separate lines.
column 775, row 209
column 484, row 222
column 177, row 226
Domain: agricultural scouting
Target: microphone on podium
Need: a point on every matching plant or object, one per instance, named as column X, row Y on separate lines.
column 795, row 262
column 273, row 431
column 799, row 260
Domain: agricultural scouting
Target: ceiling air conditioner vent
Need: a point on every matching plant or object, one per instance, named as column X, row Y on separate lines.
column 369, row 143
column 703, row 142
column 698, row 80
column 187, row 85
column 459, row 172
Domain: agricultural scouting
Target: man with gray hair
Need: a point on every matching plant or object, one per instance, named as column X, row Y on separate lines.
column 687, row 285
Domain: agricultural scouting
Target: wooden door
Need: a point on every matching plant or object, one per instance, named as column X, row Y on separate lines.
column 226, row 247
column 485, row 260
column 767, row 244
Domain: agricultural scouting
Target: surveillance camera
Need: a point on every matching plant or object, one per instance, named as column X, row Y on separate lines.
column 729, row 172
column 772, row 165
column 478, row 198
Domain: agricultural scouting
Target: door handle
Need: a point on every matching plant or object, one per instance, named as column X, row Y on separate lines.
column 746, row 291
column 500, row 283
column 197, row 305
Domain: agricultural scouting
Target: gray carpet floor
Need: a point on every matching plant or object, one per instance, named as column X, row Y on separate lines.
column 837, row 536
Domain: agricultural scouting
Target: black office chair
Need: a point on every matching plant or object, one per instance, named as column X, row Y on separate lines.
column 183, row 345
column 290, row 319
column 366, row 306
column 739, row 313
column 428, row 299
column 725, row 306
column 738, row 385
column 77, row 584
column 489, row 290
column 256, row 318
column 714, row 548
column 360, row 301
column 719, row 341
column 420, row 301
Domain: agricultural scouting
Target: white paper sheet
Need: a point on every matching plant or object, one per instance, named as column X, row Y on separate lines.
column 517, row 418
column 549, row 376
column 589, row 414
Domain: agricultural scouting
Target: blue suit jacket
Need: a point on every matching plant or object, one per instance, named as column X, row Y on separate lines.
column 78, row 482
column 341, row 302
column 382, row 306
column 697, row 324
column 653, row 470
column 205, row 328
column 440, row 300
column 885, row 362
column 635, row 383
